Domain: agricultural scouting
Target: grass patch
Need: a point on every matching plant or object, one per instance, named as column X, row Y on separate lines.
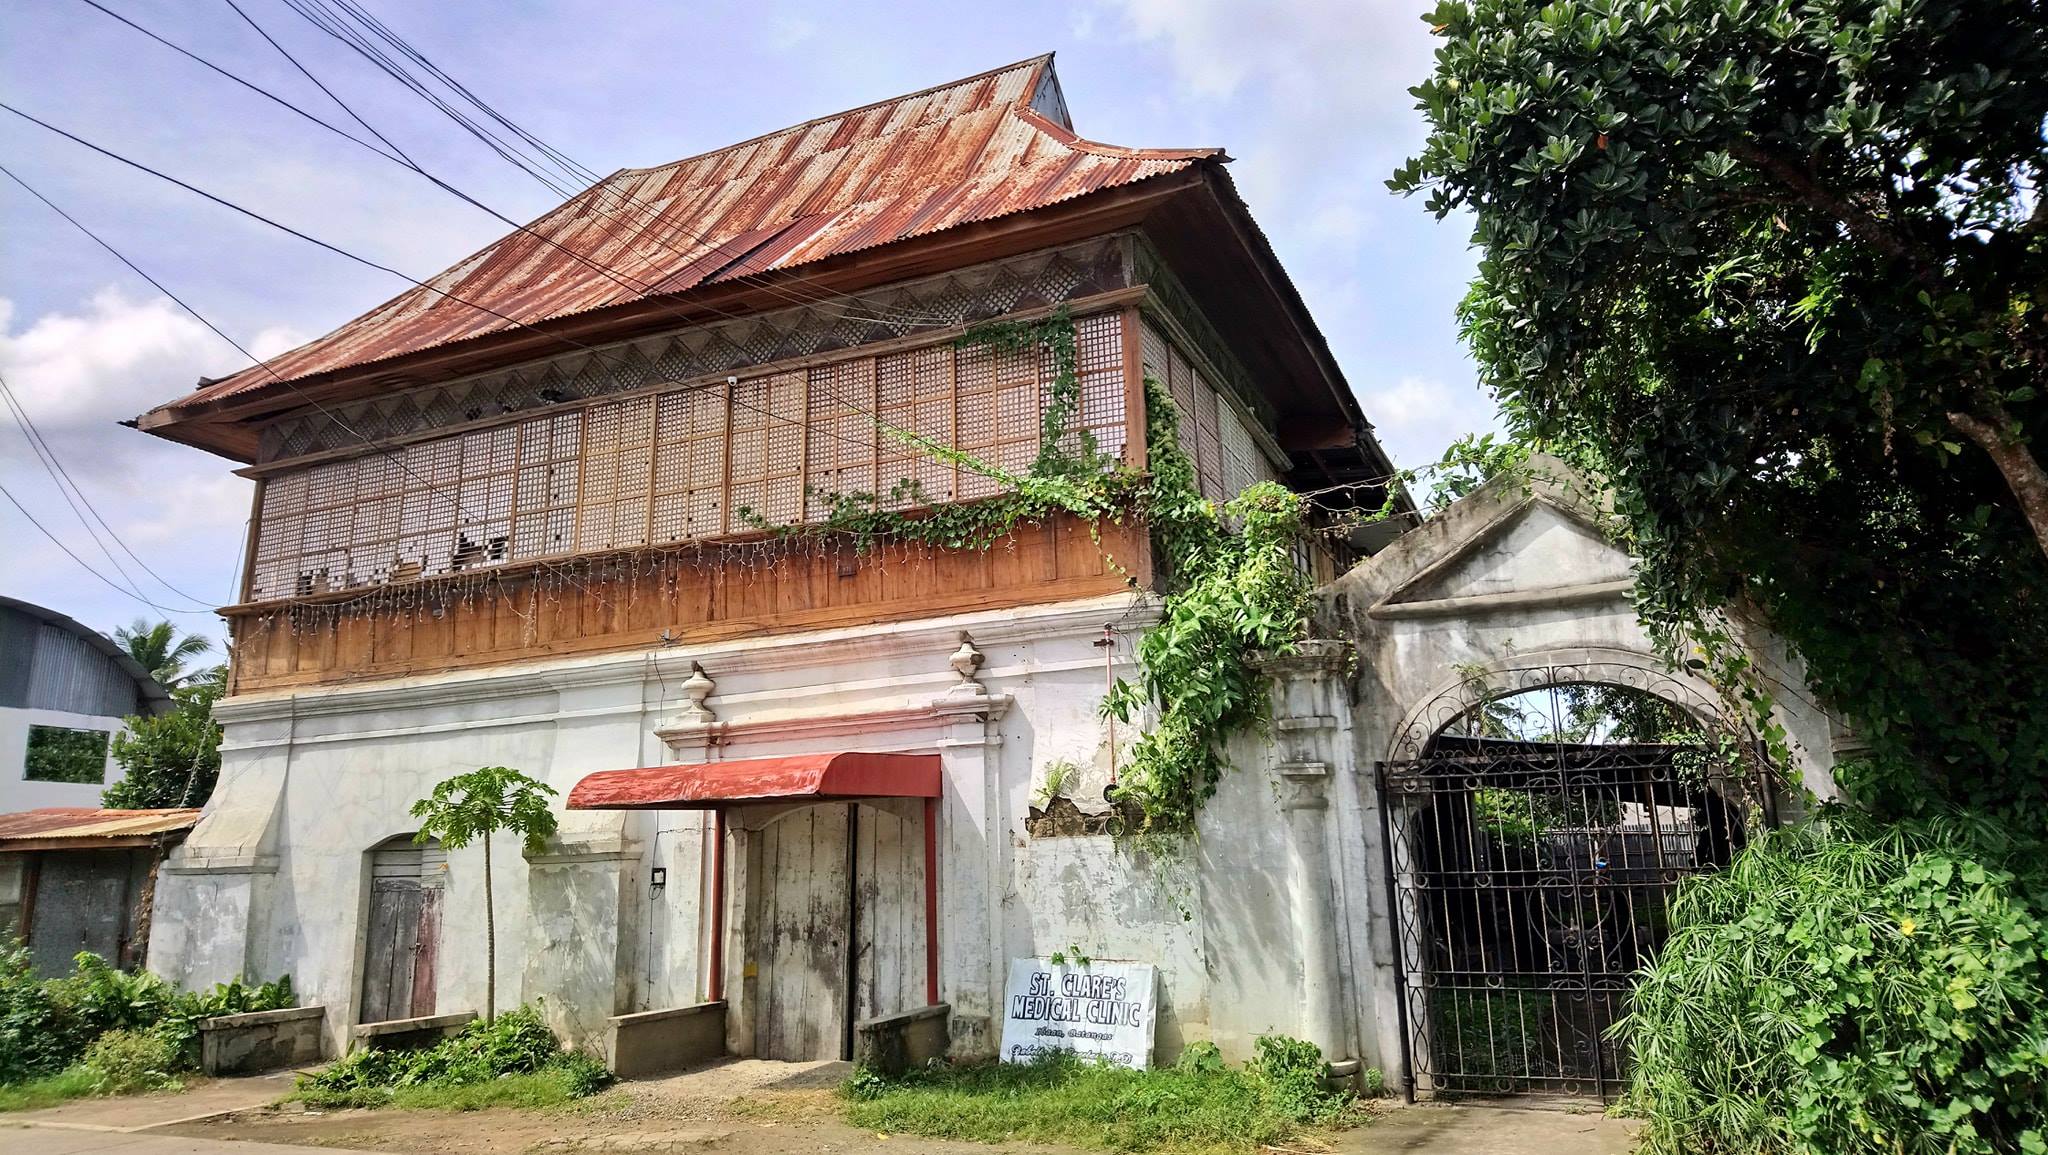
column 549, row 1087
column 50, row 1090
column 1198, row 1107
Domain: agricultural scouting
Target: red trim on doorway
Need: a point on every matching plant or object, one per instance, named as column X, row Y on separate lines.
column 844, row 776
column 931, row 901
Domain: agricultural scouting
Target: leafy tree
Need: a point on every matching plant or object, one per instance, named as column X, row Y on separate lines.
column 476, row 805
column 161, row 650
column 1470, row 462
column 1776, row 270
column 171, row 759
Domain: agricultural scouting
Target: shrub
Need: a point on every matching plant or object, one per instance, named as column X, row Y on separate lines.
column 28, row 1047
column 122, row 1061
column 1844, row 988
column 515, row 1043
column 47, row 1025
column 179, row 1026
column 1294, row 1078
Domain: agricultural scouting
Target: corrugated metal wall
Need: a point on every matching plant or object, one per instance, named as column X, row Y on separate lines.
column 46, row 667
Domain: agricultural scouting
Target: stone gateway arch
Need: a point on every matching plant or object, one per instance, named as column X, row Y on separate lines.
column 1463, row 758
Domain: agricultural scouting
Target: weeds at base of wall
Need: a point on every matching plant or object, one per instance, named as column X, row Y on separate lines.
column 514, row 1061
column 1199, row 1105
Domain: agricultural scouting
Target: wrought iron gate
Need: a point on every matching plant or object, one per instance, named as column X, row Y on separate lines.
column 1530, row 879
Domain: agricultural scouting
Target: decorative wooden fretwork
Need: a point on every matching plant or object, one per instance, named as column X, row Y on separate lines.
column 964, row 296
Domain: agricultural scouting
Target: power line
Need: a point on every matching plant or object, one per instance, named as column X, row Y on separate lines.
column 334, row 26
column 54, row 466
column 589, row 174
column 328, row 413
column 76, row 512
column 643, row 212
column 368, row 263
column 397, row 459
column 635, row 285
column 56, row 541
column 303, row 71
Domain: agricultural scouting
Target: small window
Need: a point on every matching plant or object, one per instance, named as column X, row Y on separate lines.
column 61, row 754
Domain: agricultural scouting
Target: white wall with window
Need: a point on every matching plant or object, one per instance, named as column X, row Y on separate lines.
column 64, row 692
column 54, row 758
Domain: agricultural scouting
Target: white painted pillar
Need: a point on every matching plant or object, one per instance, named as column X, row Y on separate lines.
column 971, row 832
column 1307, row 726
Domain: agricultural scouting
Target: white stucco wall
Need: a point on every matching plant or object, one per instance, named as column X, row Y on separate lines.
column 16, row 791
column 274, row 878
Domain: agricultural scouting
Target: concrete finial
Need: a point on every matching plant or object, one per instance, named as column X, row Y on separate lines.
column 696, row 688
column 965, row 660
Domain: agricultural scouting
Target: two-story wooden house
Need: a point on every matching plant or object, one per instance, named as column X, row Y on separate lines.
column 514, row 518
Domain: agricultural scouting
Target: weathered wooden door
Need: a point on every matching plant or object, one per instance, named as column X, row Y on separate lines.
column 81, row 903
column 799, row 916
column 838, row 935
column 404, row 936
column 889, row 930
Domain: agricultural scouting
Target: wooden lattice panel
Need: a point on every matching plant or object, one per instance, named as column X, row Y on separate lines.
column 1099, row 362
column 840, row 459
column 768, row 415
column 689, row 464
column 916, row 395
column 1227, row 458
column 678, row 466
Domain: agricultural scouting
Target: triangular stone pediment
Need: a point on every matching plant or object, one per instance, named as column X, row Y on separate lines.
column 1531, row 548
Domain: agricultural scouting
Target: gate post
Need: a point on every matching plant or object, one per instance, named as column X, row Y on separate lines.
column 1310, row 716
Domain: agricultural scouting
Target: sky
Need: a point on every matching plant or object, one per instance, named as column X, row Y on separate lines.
column 1309, row 97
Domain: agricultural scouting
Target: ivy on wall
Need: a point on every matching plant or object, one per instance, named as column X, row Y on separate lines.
column 1232, row 581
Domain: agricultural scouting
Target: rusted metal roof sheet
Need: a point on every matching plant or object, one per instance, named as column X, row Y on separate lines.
column 77, row 827
column 973, row 150
column 797, row 778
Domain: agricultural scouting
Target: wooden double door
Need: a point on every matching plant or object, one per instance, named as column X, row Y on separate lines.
column 835, row 924
column 402, row 943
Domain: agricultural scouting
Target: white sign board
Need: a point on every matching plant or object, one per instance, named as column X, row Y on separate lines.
column 1104, row 1009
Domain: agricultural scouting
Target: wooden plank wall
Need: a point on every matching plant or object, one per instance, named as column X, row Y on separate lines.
column 889, row 928
column 627, row 602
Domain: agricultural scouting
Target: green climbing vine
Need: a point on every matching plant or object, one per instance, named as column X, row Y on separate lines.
column 1233, row 588
column 1232, row 581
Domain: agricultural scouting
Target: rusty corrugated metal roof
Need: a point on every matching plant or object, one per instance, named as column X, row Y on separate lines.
column 87, row 826
column 976, row 149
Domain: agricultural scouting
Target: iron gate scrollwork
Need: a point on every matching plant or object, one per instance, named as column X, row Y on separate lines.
column 1530, row 880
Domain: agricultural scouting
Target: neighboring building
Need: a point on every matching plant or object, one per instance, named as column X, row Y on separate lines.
column 64, row 692
column 76, row 879
column 799, row 777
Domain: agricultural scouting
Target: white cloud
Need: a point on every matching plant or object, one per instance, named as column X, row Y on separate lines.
column 789, row 31
column 78, row 374
column 1416, row 418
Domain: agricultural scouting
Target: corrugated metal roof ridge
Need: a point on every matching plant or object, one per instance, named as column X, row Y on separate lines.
column 1033, row 62
column 727, row 186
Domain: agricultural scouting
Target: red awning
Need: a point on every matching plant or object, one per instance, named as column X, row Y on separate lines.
column 797, row 778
